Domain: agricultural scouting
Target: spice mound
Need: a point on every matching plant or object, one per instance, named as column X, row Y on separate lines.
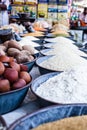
column 71, row 123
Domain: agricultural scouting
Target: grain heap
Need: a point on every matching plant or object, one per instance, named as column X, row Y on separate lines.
column 60, row 30
column 67, row 87
column 58, row 39
column 63, row 44
column 71, row 123
column 64, row 60
column 67, row 56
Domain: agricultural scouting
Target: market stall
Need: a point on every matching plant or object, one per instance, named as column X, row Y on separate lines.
column 43, row 70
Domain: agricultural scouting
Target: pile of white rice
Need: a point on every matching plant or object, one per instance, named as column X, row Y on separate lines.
column 64, row 44
column 67, row 57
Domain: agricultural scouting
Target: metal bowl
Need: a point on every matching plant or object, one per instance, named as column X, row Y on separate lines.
column 50, row 40
column 31, row 64
column 3, row 124
column 5, row 35
column 11, row 100
column 36, row 83
column 48, row 114
column 40, row 41
column 40, row 37
column 49, row 45
column 50, row 35
column 40, row 48
column 44, row 70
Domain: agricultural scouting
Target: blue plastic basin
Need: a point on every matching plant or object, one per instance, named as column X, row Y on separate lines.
column 12, row 99
column 49, row 114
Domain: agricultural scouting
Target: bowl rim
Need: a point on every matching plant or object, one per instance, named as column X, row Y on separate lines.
column 47, row 56
column 35, row 81
column 50, row 43
column 35, row 57
column 48, row 100
column 41, row 111
column 2, row 120
column 13, row 91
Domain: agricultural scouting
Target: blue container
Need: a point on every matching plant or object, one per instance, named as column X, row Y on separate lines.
column 31, row 64
column 39, row 47
column 49, row 114
column 50, row 35
column 2, row 123
column 12, row 99
column 49, row 45
column 44, row 70
column 36, row 83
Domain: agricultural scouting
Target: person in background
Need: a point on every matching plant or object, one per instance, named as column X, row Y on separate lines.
column 83, row 16
column 4, row 18
column 83, row 22
column 73, row 17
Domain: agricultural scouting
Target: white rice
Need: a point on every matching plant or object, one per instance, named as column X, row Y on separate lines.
column 59, row 39
column 67, row 56
column 28, row 41
column 63, row 61
column 62, row 45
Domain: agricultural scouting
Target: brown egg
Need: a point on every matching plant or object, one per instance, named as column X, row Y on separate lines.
column 4, row 85
column 25, row 75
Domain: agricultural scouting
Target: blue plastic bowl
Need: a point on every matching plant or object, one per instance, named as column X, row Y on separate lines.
column 49, row 114
column 36, row 83
column 40, row 41
column 2, row 123
column 31, row 64
column 49, row 45
column 44, row 70
column 40, row 37
column 50, row 35
column 12, row 99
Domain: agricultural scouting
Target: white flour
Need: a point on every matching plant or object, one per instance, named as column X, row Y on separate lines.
column 67, row 87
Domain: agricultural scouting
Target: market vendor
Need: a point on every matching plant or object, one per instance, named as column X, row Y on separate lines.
column 73, row 17
column 83, row 17
column 4, row 18
column 83, row 22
